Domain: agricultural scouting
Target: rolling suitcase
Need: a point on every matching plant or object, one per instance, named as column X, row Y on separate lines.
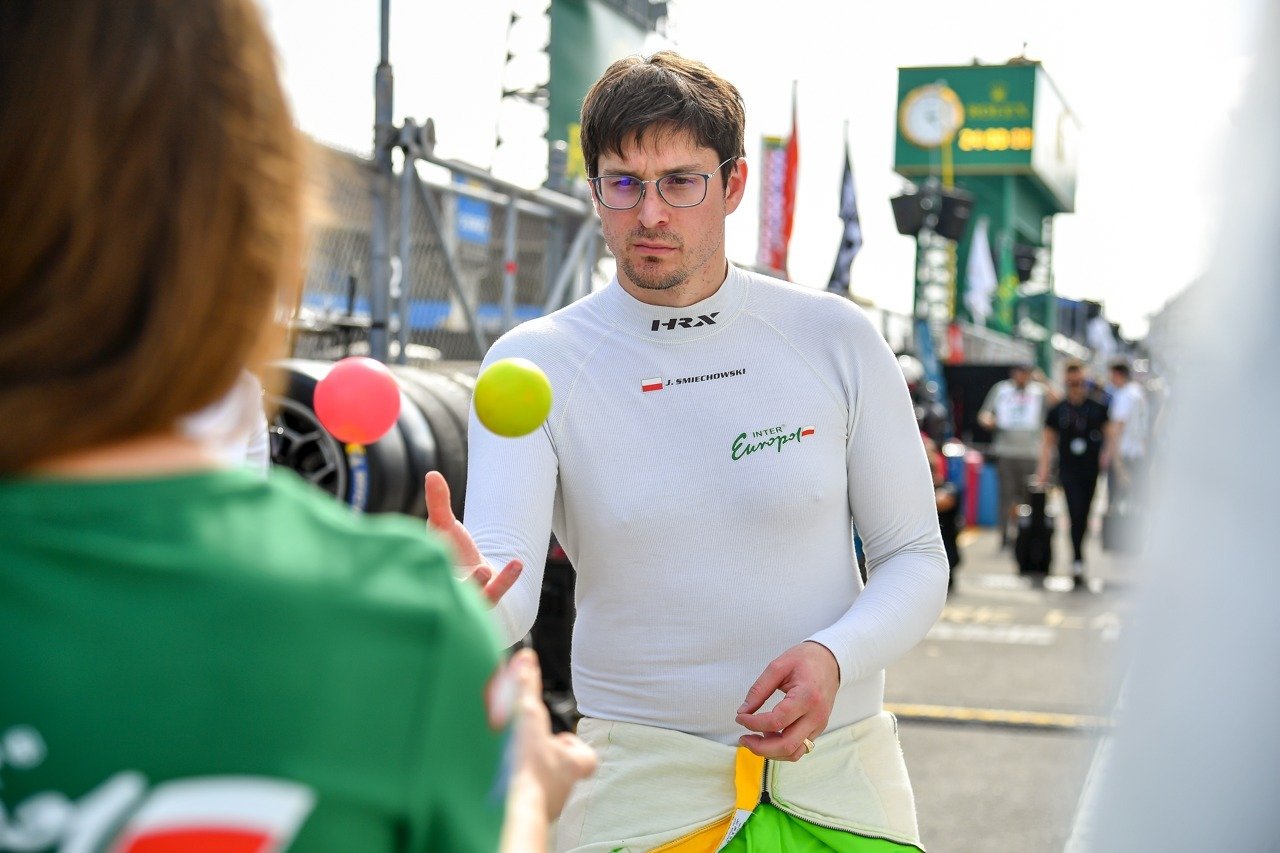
column 1033, row 547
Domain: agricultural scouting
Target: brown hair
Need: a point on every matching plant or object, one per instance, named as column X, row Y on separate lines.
column 150, row 211
column 665, row 93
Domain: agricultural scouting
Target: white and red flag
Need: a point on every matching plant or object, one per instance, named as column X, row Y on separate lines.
column 779, row 174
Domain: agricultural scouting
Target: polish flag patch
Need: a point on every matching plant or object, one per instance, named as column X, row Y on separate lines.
column 806, row 431
column 651, row 384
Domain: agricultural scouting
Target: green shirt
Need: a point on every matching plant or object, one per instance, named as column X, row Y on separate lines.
column 217, row 657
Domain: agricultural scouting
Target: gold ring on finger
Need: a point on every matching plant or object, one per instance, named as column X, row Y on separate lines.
column 808, row 746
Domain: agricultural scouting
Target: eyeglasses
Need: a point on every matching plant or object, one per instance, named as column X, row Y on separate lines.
column 679, row 189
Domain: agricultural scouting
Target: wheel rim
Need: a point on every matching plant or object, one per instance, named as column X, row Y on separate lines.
column 300, row 443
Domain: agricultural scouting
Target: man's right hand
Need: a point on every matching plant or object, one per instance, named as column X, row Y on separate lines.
column 471, row 563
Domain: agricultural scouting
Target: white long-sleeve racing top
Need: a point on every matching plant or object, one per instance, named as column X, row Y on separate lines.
column 701, row 467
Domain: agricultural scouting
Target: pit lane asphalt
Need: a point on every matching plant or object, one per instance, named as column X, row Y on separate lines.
column 1003, row 707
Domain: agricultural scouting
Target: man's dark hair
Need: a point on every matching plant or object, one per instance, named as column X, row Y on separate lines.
column 662, row 94
column 1121, row 367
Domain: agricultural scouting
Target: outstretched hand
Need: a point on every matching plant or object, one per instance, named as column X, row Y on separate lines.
column 809, row 676
column 554, row 761
column 470, row 562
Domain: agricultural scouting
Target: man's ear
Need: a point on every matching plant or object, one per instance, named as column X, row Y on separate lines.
column 736, row 186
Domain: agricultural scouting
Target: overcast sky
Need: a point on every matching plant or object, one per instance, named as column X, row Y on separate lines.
column 1153, row 86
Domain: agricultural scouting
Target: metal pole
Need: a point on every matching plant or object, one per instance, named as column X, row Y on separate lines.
column 555, row 200
column 510, row 266
column 384, row 133
column 401, row 297
column 1050, row 300
column 589, row 257
column 586, row 231
column 557, row 165
column 455, row 277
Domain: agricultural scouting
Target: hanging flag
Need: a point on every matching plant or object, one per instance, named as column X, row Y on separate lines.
column 780, row 166
column 851, row 242
column 793, row 178
column 980, row 275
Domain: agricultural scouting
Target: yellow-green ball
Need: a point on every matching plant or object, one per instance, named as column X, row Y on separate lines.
column 512, row 397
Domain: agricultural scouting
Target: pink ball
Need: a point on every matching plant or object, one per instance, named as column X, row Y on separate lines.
column 358, row 402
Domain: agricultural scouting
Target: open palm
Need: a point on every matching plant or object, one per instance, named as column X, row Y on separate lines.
column 470, row 562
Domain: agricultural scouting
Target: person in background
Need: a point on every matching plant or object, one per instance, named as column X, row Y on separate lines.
column 1013, row 412
column 713, row 436
column 947, row 498
column 197, row 656
column 1076, row 432
column 1130, row 423
column 235, row 426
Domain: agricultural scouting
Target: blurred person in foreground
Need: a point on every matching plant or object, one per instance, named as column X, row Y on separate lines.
column 713, row 434
column 1014, row 411
column 196, row 655
column 1192, row 763
column 1077, row 434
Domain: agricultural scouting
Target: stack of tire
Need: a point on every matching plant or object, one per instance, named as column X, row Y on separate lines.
column 386, row 476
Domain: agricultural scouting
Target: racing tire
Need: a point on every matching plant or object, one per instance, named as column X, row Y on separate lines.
column 444, row 404
column 373, row 478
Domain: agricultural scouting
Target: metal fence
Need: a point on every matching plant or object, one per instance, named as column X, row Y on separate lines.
column 471, row 255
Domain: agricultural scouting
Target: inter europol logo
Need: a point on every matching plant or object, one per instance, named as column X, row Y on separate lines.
column 685, row 322
column 771, row 438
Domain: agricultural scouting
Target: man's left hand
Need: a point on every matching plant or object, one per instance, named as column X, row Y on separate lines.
column 809, row 676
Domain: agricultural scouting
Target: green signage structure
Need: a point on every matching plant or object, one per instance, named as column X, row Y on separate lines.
column 1004, row 134
column 586, row 37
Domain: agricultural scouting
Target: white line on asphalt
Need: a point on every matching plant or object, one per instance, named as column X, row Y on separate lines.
column 1018, row 635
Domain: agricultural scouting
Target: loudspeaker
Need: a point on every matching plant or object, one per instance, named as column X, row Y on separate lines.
column 907, row 214
column 955, row 208
column 1024, row 260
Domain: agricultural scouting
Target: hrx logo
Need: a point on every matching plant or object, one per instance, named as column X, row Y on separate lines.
column 685, row 322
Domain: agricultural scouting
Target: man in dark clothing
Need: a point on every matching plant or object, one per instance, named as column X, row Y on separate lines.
column 947, row 497
column 1076, row 429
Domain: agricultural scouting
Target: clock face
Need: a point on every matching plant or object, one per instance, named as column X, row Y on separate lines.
column 930, row 115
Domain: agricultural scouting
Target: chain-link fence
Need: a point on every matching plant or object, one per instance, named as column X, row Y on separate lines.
column 471, row 257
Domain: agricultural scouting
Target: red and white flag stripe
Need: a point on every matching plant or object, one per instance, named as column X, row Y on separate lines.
column 231, row 814
column 651, row 384
column 806, row 431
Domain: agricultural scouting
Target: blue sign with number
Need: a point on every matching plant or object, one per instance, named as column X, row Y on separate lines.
column 471, row 215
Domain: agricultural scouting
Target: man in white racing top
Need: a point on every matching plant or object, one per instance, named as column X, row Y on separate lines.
column 714, row 435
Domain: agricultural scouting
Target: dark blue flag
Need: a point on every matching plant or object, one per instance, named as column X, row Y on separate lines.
column 851, row 242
